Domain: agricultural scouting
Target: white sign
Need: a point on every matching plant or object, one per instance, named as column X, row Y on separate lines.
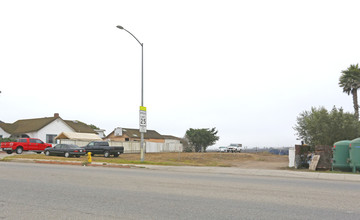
column 142, row 119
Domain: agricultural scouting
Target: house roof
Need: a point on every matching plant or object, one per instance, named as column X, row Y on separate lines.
column 78, row 136
column 135, row 133
column 79, row 126
column 26, row 125
column 171, row 137
column 6, row 127
column 31, row 125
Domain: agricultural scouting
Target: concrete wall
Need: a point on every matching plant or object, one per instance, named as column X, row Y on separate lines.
column 134, row 146
column 291, row 157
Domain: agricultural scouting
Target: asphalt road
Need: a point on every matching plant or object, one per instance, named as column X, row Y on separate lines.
column 40, row 191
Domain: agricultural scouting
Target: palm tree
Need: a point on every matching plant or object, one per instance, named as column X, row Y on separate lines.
column 350, row 82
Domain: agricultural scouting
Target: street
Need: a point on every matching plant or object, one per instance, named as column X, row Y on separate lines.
column 41, row 191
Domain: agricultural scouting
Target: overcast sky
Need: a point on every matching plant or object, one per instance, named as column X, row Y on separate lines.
column 248, row 68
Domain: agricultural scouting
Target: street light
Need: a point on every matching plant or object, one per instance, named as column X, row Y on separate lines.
column 142, row 108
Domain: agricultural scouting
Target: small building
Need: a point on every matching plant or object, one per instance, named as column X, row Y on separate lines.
column 130, row 134
column 45, row 129
column 171, row 139
column 154, row 142
column 80, row 139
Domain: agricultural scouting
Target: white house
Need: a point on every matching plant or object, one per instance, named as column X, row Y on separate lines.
column 45, row 129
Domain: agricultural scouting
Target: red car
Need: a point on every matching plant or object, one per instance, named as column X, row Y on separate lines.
column 24, row 144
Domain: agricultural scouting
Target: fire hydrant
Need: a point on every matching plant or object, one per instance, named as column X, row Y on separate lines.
column 89, row 157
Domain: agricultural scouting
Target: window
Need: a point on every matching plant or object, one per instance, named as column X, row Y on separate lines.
column 39, row 142
column 33, row 141
column 36, row 141
column 58, row 146
column 50, row 138
column 0, row 136
column 22, row 140
column 127, row 139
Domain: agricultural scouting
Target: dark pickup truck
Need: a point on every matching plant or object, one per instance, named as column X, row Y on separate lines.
column 102, row 147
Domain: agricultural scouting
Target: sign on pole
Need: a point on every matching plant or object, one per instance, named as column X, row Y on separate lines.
column 142, row 119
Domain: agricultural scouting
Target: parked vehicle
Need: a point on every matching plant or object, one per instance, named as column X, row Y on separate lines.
column 24, row 144
column 233, row 148
column 66, row 150
column 222, row 149
column 102, row 147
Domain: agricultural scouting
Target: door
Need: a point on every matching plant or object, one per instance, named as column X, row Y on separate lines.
column 90, row 147
column 57, row 150
column 32, row 145
column 98, row 149
column 40, row 145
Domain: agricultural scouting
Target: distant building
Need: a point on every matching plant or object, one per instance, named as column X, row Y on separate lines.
column 130, row 134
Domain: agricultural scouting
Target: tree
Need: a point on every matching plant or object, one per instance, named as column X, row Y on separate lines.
column 201, row 138
column 186, row 146
column 350, row 82
column 320, row 127
column 94, row 127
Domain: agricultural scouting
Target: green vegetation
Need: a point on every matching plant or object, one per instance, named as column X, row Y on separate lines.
column 94, row 127
column 201, row 138
column 350, row 82
column 321, row 127
column 7, row 140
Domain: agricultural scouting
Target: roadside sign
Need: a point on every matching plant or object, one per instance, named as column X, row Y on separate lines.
column 142, row 119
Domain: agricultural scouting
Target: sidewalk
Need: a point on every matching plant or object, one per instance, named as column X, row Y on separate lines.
column 258, row 172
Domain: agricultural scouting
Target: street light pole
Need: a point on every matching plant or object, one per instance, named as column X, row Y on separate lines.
column 142, row 152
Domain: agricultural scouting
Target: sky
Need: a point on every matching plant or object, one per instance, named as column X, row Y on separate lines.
column 248, row 68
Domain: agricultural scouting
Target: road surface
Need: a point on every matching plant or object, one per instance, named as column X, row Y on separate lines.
column 41, row 191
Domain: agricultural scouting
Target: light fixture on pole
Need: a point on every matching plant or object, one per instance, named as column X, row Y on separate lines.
column 142, row 116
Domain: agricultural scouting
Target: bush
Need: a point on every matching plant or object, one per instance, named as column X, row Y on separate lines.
column 6, row 140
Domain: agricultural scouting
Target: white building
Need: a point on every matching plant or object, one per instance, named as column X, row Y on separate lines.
column 46, row 129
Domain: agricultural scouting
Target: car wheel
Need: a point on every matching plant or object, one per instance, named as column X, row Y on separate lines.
column 38, row 152
column 77, row 156
column 9, row 152
column 92, row 155
column 67, row 154
column 106, row 154
column 47, row 153
column 116, row 155
column 19, row 150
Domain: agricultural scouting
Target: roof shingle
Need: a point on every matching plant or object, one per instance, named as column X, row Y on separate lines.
column 31, row 125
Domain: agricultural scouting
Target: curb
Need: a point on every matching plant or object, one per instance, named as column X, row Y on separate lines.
column 75, row 163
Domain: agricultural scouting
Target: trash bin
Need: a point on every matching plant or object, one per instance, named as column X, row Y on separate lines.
column 340, row 160
column 354, row 153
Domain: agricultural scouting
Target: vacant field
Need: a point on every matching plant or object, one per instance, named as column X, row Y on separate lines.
column 243, row 160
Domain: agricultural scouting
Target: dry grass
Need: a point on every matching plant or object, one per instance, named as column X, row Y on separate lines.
column 244, row 160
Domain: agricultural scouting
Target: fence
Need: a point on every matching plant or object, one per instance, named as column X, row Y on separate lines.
column 134, row 147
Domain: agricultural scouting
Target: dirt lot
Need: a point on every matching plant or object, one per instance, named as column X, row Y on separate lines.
column 243, row 160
